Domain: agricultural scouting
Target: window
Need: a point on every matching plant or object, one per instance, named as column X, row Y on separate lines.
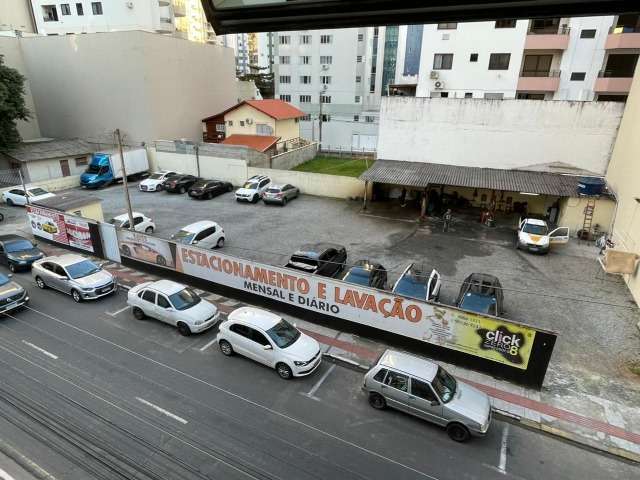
column 448, row 26
column 473, row 57
column 325, row 79
column 494, row 96
column 326, row 59
column 284, row 39
column 578, row 76
column 325, row 117
column 305, row 98
column 530, row 96
column 442, row 61
column 398, row 381
column 305, row 39
column 360, row 37
column 285, row 59
column 305, row 118
column 65, row 9
column 81, row 161
column 259, row 338
column 96, row 8
column 369, row 119
column 149, row 296
column 285, row 79
column 588, row 33
column 356, row 118
column 242, row 123
column 305, row 79
column 422, row 390
column 325, row 98
column 468, row 95
column 241, row 330
column 379, row 377
column 357, row 98
column 359, row 59
column 230, row 123
column 506, row 23
column 499, row 61
column 49, row 13
column 162, row 301
column 306, row 60
column 79, row 9
column 326, row 38
column 285, row 98
column 536, row 65
column 358, row 79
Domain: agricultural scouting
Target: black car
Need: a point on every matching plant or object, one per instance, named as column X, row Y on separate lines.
column 326, row 259
column 209, row 188
column 179, row 183
column 367, row 273
column 18, row 253
column 481, row 293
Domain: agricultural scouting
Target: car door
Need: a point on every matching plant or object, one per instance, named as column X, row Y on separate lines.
column 395, row 390
column 47, row 274
column 433, row 286
column 206, row 238
column 61, row 279
column 328, row 265
column 239, row 337
column 424, row 403
column 165, row 310
column 3, row 255
column 559, row 235
column 17, row 196
column 148, row 303
column 259, row 348
column 263, row 186
column 138, row 224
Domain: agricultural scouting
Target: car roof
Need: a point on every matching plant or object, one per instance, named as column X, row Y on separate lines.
column 407, row 363
column 125, row 216
column 315, row 249
column 168, row 287
column 197, row 226
column 66, row 259
column 11, row 237
column 257, row 177
column 535, row 221
column 278, row 186
column 256, row 317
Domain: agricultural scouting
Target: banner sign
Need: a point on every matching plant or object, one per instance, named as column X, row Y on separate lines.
column 60, row 228
column 146, row 248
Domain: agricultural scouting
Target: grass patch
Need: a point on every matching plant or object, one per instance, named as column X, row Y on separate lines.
column 634, row 367
column 347, row 166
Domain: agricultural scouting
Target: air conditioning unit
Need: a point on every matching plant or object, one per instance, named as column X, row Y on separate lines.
column 249, row 121
column 325, row 67
column 434, row 75
column 439, row 85
column 129, row 4
column 324, row 87
column 445, row 36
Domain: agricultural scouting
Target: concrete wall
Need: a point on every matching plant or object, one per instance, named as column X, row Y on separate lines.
column 506, row 134
column 623, row 178
column 241, row 114
column 295, row 157
column 150, row 86
column 16, row 15
column 572, row 213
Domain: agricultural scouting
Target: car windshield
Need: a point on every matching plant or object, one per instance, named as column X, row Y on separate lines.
column 4, row 279
column 273, row 190
column 358, row 275
column 117, row 222
column 184, row 299
column 283, row 334
column 412, row 286
column 93, row 169
column 250, row 185
column 183, row 236
column 82, row 269
column 479, row 303
column 304, row 260
column 18, row 246
column 535, row 229
column 444, row 385
column 37, row 191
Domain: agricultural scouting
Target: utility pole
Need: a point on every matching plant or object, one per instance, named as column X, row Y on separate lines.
column 124, row 180
column 320, row 124
column 24, row 188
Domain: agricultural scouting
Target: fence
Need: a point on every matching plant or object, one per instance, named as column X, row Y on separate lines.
column 11, row 179
column 348, row 151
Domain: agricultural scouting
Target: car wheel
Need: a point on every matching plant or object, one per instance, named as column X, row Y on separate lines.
column 148, row 230
column 76, row 296
column 10, row 202
column 226, row 348
column 284, row 201
column 220, row 243
column 40, row 283
column 284, row 371
column 12, row 267
column 160, row 260
column 182, row 190
column 126, row 251
column 377, row 401
column 255, row 199
column 184, row 329
column 458, row 432
column 138, row 313
column 159, row 188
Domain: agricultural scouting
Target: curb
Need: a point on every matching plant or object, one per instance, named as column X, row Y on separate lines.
column 347, row 362
column 25, row 463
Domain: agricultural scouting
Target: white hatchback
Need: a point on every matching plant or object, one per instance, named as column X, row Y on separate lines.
column 155, row 181
column 204, row 234
column 16, row 196
column 173, row 303
column 141, row 223
column 269, row 339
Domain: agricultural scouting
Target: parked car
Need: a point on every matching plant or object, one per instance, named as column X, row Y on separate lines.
column 269, row 339
column 173, row 303
column 209, row 188
column 204, row 234
column 141, row 223
column 16, row 196
column 534, row 235
column 155, row 181
column 366, row 273
column 280, row 194
column 142, row 252
column 426, row 390
column 74, row 275
column 416, row 283
column 12, row 294
column 179, row 183
column 326, row 259
column 17, row 252
column 253, row 189
column 481, row 293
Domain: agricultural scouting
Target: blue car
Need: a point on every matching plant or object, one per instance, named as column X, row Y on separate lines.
column 481, row 293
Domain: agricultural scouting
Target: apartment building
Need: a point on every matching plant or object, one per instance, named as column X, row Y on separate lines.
column 239, row 42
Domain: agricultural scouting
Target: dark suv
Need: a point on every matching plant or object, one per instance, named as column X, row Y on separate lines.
column 326, row 259
column 209, row 188
column 179, row 183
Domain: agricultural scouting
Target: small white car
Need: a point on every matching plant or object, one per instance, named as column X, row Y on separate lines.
column 253, row 189
column 141, row 223
column 534, row 235
column 16, row 196
column 205, row 234
column 173, row 303
column 269, row 339
column 155, row 181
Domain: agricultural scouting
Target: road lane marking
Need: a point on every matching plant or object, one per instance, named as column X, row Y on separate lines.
column 502, row 466
column 208, row 345
column 162, row 410
column 118, row 312
column 41, row 350
column 314, row 389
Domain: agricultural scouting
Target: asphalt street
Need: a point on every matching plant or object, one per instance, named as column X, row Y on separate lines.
column 87, row 391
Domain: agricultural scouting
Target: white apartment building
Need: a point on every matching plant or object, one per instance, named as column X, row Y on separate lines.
column 239, row 42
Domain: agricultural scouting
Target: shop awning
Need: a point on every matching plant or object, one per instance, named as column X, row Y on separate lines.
column 420, row 175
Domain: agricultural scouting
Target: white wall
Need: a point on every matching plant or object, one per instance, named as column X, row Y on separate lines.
column 43, row 170
column 228, row 169
column 499, row 133
column 16, row 15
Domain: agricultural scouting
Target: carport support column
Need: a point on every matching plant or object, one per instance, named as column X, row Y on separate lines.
column 364, row 200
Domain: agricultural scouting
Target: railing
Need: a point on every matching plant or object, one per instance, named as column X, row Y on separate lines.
column 561, row 30
column 291, row 144
column 618, row 29
column 615, row 73
column 540, row 73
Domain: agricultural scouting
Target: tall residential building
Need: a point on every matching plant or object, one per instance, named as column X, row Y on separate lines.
column 239, row 42
column 265, row 51
column 16, row 16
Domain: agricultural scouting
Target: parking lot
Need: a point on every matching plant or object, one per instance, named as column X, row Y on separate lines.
column 564, row 291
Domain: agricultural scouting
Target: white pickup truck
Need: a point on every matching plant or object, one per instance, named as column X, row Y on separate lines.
column 534, row 235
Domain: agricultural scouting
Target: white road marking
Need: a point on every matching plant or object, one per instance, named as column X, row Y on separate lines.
column 5, row 476
column 502, row 466
column 118, row 312
column 311, row 393
column 208, row 345
column 162, row 410
column 41, row 350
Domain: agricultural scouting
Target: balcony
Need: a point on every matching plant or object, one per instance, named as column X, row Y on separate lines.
column 623, row 37
column 613, row 81
column 539, row 81
column 547, row 38
column 179, row 9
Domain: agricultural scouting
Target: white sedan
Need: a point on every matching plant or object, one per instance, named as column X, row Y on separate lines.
column 155, row 181
column 269, row 339
column 16, row 196
column 141, row 223
column 173, row 303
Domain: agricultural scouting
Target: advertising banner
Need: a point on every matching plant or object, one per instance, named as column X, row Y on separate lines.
column 78, row 233
column 146, row 248
column 47, row 224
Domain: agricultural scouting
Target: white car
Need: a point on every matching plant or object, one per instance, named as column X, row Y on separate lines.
column 269, row 339
column 16, row 196
column 155, row 181
column 205, row 234
column 253, row 189
column 534, row 235
column 173, row 303
column 141, row 223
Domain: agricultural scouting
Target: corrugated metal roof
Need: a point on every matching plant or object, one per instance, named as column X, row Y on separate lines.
column 418, row 174
column 48, row 149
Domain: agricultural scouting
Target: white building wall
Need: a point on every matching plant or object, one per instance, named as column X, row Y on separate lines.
column 266, row 49
column 16, row 15
column 506, row 134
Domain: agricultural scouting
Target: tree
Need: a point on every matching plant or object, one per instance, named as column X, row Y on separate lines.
column 12, row 105
column 264, row 81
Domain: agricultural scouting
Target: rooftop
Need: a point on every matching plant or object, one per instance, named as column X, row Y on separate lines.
column 404, row 362
column 43, row 149
column 167, row 287
column 278, row 109
column 67, row 201
column 254, row 316
column 262, row 143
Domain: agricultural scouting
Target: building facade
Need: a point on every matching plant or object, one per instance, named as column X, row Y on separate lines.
column 16, row 16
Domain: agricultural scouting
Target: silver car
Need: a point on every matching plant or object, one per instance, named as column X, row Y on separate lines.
column 280, row 194
column 12, row 294
column 422, row 388
column 74, row 275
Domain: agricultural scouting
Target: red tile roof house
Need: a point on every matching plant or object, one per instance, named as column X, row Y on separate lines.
column 262, row 143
